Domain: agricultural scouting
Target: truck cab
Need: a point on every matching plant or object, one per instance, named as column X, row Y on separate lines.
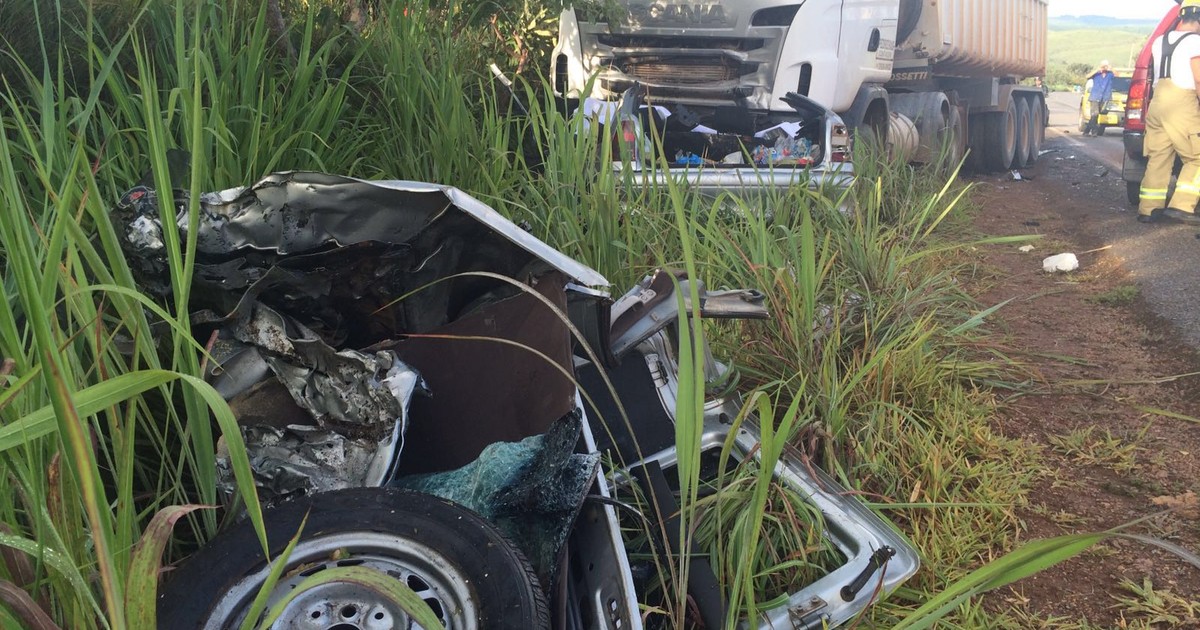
column 940, row 74
column 761, row 76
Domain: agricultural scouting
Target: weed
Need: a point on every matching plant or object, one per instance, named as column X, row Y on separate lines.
column 1092, row 447
column 1157, row 607
column 1118, row 296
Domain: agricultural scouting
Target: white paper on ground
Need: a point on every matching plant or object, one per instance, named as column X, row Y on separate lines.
column 1060, row 262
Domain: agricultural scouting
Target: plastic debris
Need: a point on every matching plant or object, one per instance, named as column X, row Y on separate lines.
column 1060, row 262
column 1016, row 176
column 1026, row 248
column 787, row 150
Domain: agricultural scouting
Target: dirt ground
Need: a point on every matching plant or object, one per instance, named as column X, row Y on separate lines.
column 1099, row 364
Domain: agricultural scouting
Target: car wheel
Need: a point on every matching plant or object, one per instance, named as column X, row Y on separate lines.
column 458, row 563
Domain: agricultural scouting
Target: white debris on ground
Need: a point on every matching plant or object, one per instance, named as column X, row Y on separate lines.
column 1026, row 248
column 1060, row 262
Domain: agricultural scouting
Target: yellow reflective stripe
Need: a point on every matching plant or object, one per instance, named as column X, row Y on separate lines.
column 1187, row 188
column 1154, row 195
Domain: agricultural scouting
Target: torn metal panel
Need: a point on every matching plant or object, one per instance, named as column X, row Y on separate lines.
column 321, row 283
column 653, row 304
column 299, row 212
column 328, row 420
column 357, row 262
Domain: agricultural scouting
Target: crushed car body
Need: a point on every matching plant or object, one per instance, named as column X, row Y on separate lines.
column 419, row 380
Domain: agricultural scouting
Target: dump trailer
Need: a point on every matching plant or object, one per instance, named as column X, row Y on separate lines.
column 923, row 76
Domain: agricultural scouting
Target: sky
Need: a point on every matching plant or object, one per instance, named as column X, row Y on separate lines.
column 1127, row 9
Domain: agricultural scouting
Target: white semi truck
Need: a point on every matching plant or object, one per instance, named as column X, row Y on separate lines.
column 950, row 70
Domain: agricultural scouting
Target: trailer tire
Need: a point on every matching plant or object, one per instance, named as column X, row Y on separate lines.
column 999, row 138
column 1022, row 133
column 958, row 127
column 1037, row 129
column 976, row 128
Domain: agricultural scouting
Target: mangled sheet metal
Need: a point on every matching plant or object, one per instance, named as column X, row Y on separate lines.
column 308, row 285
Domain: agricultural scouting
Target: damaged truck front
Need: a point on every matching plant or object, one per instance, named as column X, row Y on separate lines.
column 688, row 107
column 423, row 390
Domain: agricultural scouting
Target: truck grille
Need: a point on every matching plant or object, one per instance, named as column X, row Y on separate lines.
column 682, row 71
column 742, row 44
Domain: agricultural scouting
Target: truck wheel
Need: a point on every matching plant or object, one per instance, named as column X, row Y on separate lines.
column 1037, row 129
column 932, row 114
column 958, row 131
column 1021, row 137
column 999, row 138
column 977, row 125
column 458, row 563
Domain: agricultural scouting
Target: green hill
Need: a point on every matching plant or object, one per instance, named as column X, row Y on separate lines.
column 1077, row 44
column 1089, row 46
column 1072, row 22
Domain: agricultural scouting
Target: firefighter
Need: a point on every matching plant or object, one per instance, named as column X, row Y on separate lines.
column 1173, row 122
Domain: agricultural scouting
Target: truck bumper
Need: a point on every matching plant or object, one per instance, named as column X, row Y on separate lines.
column 712, row 182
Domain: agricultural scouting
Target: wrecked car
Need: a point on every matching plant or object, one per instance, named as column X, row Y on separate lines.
column 423, row 388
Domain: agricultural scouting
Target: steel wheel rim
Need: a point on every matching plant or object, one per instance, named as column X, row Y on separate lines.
column 342, row 606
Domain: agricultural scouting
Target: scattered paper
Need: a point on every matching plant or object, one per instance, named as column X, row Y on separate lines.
column 1060, row 262
column 790, row 128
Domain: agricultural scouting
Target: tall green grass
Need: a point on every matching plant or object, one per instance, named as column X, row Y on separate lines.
column 868, row 364
column 108, row 435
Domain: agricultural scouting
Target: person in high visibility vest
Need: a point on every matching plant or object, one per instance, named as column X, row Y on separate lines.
column 1173, row 122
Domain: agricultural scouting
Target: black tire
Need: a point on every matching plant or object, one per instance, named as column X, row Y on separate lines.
column 999, row 138
column 1101, row 129
column 933, row 115
column 958, row 133
column 1021, row 135
column 977, row 125
column 1133, row 193
column 1037, row 129
column 396, row 532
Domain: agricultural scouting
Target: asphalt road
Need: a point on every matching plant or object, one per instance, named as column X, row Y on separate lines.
column 1064, row 126
column 1161, row 257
